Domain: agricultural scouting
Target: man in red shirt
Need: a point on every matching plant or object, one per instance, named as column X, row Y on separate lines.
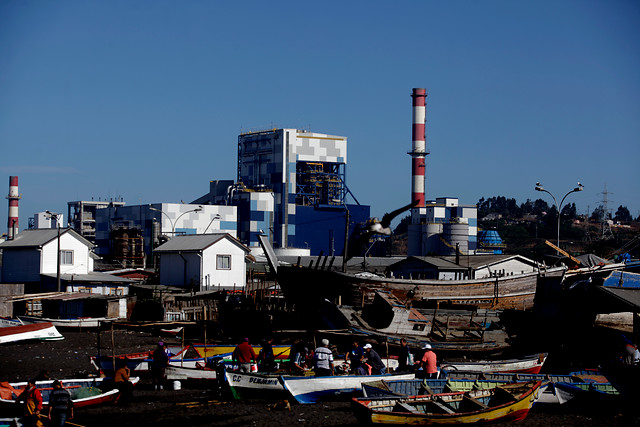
column 243, row 355
column 429, row 362
column 32, row 404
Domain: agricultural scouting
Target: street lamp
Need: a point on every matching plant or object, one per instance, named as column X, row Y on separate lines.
column 173, row 224
column 57, row 217
column 539, row 187
column 217, row 216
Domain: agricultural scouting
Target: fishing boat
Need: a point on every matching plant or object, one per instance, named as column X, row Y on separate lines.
column 314, row 389
column 246, row 385
column 507, row 402
column 417, row 387
column 199, row 372
column 280, row 352
column 388, row 319
column 141, row 361
column 84, row 391
column 530, row 365
column 78, row 322
column 39, row 331
column 308, row 286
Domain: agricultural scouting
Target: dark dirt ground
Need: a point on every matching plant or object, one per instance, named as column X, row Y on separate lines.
column 196, row 403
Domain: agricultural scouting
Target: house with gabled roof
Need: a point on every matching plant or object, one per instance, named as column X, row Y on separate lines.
column 202, row 262
column 31, row 258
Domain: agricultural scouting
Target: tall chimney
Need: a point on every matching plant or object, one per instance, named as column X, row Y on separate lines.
column 14, row 197
column 418, row 152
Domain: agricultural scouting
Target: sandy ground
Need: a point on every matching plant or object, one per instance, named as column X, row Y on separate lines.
column 197, row 404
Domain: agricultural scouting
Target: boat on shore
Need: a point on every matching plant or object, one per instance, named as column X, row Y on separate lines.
column 507, row 402
column 245, row 385
column 313, row 389
column 418, row 387
column 84, row 391
column 38, row 331
column 527, row 365
column 280, row 352
column 78, row 322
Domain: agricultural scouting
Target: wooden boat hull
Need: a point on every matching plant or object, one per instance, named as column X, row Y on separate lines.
column 417, row 387
column 39, row 331
column 383, row 411
column 527, row 365
column 307, row 286
column 314, row 389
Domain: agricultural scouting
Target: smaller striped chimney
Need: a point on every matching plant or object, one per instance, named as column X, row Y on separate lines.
column 14, row 197
column 418, row 151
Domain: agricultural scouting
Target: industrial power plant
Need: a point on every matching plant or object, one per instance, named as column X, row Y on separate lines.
column 291, row 186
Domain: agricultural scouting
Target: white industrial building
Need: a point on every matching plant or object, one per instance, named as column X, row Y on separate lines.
column 442, row 227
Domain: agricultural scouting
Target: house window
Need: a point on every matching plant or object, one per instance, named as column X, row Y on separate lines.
column 223, row 262
column 117, row 291
column 66, row 257
column 84, row 290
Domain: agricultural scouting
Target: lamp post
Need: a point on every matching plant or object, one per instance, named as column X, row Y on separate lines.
column 539, row 187
column 57, row 217
column 173, row 224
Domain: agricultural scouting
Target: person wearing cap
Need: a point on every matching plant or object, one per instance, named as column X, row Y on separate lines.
column 158, row 366
column 243, row 355
column 60, row 405
column 32, row 399
column 374, row 360
column 429, row 362
column 323, row 360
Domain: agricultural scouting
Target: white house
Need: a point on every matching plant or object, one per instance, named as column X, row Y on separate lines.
column 203, row 262
column 31, row 258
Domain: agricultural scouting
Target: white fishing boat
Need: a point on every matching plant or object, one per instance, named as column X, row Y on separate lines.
column 314, row 389
column 254, row 384
column 39, row 331
column 530, row 365
column 78, row 322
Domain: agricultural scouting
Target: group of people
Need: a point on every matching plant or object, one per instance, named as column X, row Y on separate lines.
column 60, row 405
column 363, row 360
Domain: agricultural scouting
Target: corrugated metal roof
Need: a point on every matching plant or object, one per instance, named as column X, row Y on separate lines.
column 196, row 242
column 37, row 238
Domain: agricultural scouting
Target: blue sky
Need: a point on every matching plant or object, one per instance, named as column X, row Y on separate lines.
column 144, row 99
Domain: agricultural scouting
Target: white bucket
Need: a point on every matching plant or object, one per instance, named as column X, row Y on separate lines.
column 176, row 385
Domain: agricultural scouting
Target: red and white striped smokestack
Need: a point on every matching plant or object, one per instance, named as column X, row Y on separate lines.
column 14, row 197
column 418, row 152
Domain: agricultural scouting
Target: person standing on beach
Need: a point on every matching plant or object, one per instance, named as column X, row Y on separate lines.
column 60, row 405
column 32, row 399
column 405, row 358
column 429, row 362
column 158, row 366
column 356, row 356
column 323, row 359
column 265, row 357
column 243, row 355
column 374, row 360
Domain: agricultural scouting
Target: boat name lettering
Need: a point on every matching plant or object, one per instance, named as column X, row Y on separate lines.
column 267, row 381
column 236, row 378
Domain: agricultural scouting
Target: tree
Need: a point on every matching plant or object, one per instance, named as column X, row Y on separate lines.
column 623, row 214
column 569, row 211
column 599, row 214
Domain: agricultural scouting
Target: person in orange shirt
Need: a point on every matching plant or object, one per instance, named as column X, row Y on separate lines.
column 429, row 362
